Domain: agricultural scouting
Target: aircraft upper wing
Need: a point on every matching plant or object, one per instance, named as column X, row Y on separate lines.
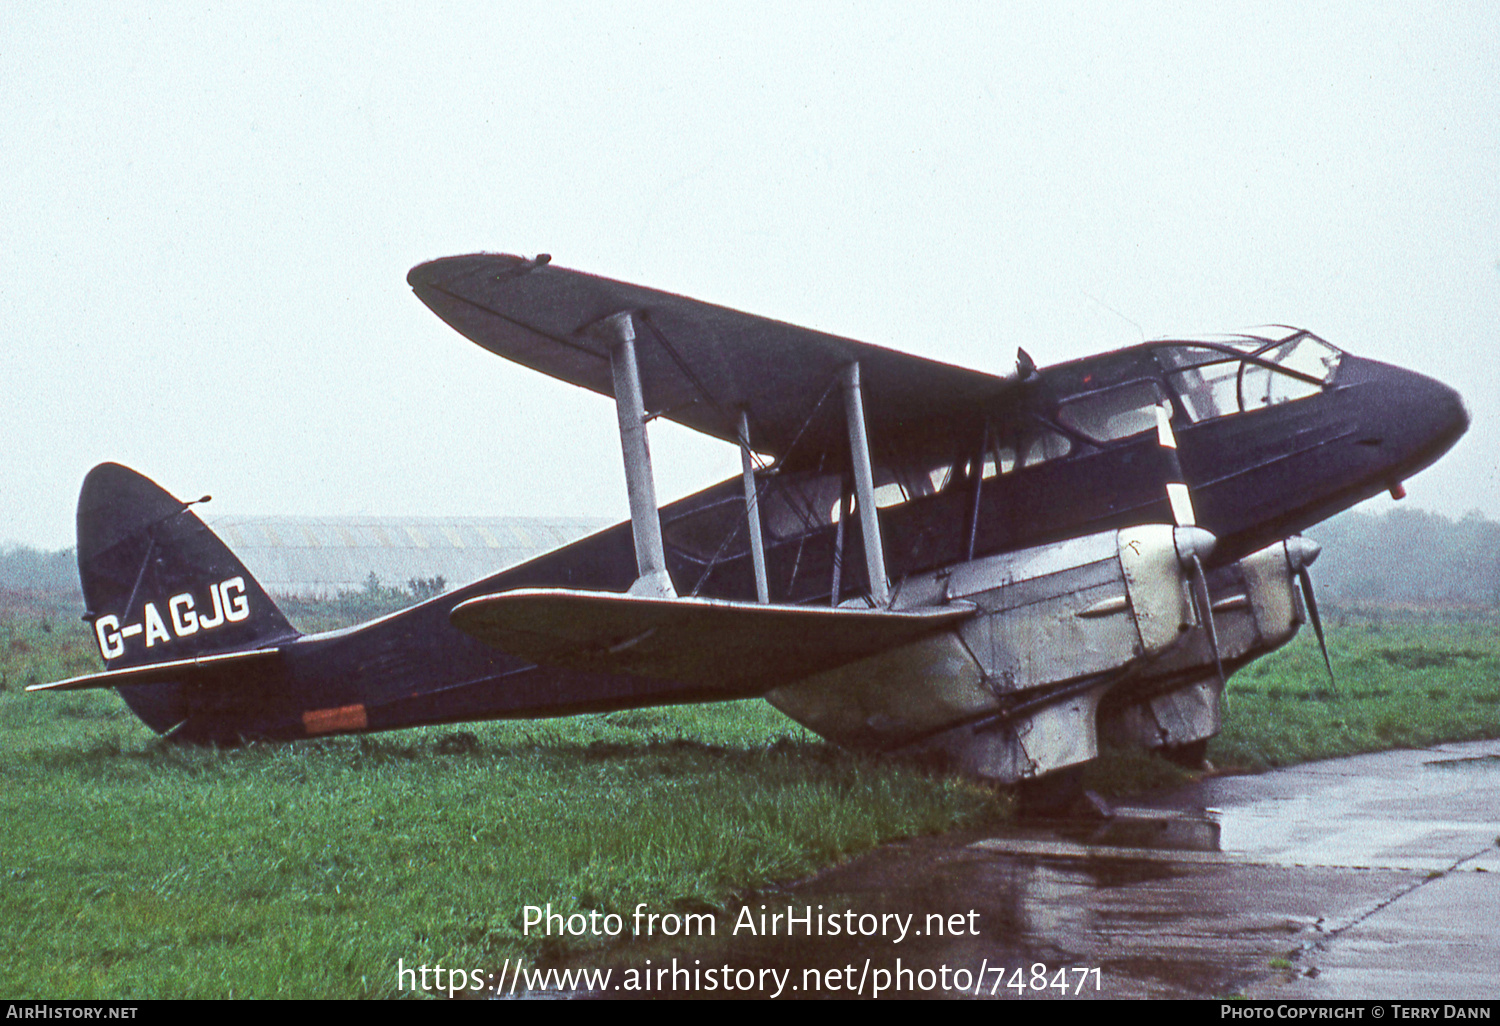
column 700, row 363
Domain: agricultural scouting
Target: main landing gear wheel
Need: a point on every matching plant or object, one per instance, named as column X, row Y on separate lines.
column 1193, row 755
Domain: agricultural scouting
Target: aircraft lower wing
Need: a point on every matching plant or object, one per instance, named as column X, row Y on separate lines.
column 739, row 647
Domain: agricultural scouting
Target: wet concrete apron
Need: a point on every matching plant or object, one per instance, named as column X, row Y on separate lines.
column 1411, row 840
column 1371, row 877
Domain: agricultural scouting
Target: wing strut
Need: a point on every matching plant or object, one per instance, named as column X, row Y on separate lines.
column 752, row 513
column 630, row 407
column 864, row 487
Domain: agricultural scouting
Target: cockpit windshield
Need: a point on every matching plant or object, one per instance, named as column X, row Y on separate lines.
column 1218, row 376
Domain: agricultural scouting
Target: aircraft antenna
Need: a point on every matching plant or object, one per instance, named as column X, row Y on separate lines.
column 1117, row 313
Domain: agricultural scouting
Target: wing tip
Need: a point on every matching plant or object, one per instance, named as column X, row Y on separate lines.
column 445, row 269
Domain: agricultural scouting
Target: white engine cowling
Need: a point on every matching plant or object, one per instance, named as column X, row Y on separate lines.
column 1066, row 636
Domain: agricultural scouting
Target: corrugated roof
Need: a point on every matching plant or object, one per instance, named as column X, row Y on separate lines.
column 326, row 555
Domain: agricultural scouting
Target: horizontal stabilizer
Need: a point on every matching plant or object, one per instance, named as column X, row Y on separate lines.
column 735, row 647
column 203, row 670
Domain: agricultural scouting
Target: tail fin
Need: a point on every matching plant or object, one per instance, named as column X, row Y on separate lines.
column 160, row 586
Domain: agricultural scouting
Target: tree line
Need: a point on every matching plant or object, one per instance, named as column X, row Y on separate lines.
column 1408, row 556
column 1402, row 556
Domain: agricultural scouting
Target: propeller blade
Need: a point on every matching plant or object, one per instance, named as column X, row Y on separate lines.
column 1178, row 496
column 1312, row 613
column 1191, row 540
column 1205, row 605
column 1301, row 553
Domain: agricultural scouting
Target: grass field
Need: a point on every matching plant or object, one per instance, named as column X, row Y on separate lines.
column 135, row 868
column 1401, row 680
column 131, row 868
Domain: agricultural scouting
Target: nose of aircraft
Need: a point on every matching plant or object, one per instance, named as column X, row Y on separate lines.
column 1409, row 418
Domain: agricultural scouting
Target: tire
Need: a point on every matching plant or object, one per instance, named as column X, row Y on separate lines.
column 1189, row 756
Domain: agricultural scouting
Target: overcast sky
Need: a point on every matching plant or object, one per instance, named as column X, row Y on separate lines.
column 209, row 215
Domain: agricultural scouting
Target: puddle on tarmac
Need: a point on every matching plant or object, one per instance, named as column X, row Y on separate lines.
column 1143, row 896
column 952, row 902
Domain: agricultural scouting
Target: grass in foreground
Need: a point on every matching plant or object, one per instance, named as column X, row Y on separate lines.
column 129, row 867
column 133, row 868
column 1397, row 685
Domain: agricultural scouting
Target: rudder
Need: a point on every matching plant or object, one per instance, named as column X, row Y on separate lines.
column 160, row 586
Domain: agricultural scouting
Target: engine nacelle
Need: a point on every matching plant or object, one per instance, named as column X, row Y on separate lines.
column 1096, row 629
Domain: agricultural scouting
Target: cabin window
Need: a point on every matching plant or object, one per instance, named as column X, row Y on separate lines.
column 1215, row 381
column 1263, row 386
column 895, row 485
column 1113, row 413
column 1025, row 445
column 1208, row 391
column 1045, row 445
column 1000, row 460
column 790, row 506
column 905, row 487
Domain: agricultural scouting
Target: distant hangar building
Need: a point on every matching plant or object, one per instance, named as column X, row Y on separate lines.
column 319, row 557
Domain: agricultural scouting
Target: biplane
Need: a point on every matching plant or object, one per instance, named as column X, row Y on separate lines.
column 994, row 571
